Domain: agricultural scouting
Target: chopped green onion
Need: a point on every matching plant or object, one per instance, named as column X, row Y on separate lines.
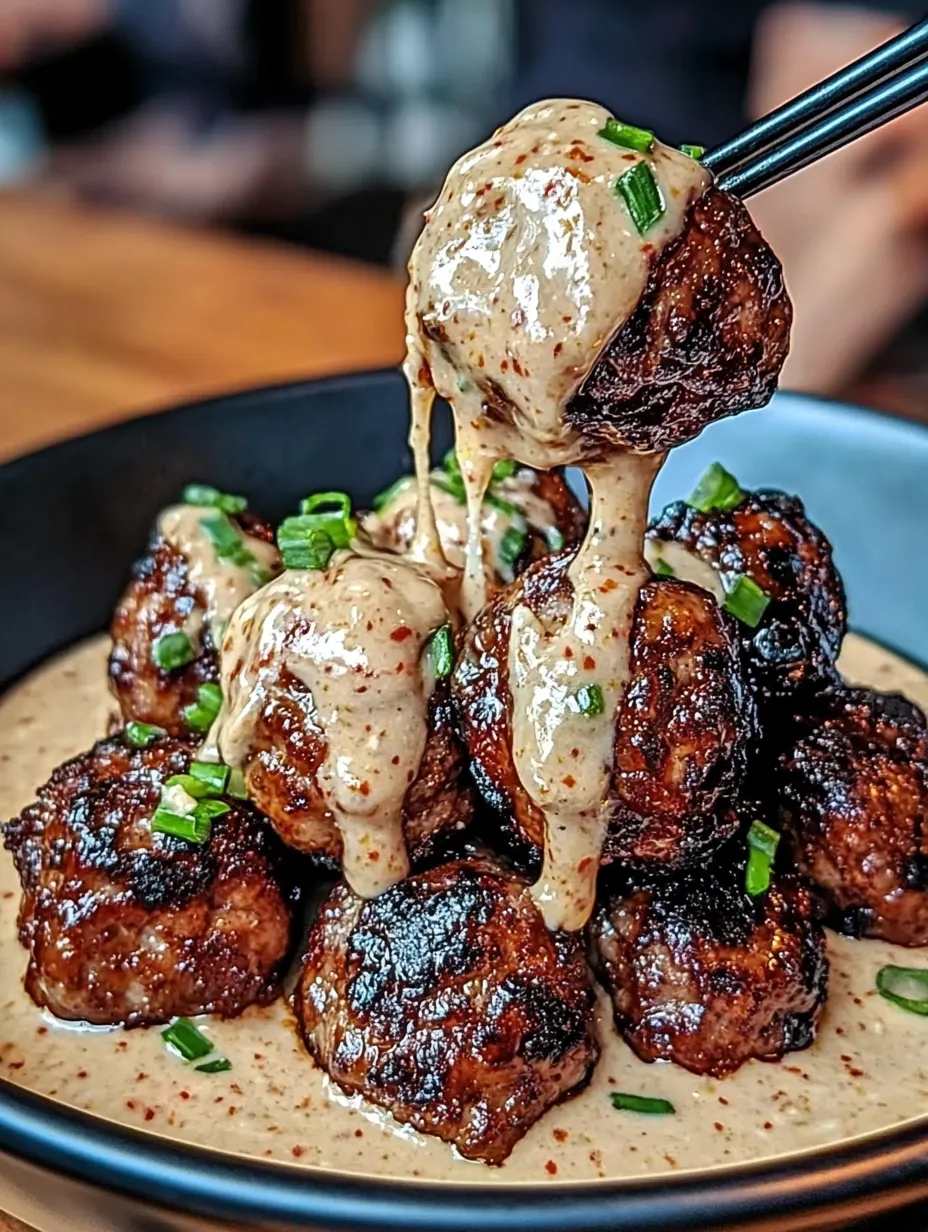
column 453, row 489
column 641, row 1103
column 717, row 489
column 220, row 1066
column 195, row 829
column 228, row 545
column 512, row 545
column 590, row 700
column 389, row 495
column 694, row 151
column 193, row 787
column 208, row 809
column 330, row 512
column 171, row 651
column 504, row 470
column 203, row 494
column 212, row 775
column 638, row 189
column 236, row 787
column 450, row 463
column 202, row 714
column 627, row 136
column 141, row 735
column 303, row 545
column 893, row 983
column 504, row 506
column 762, row 847
column 745, row 600
column 441, row 647
column 662, row 569
column 186, row 1038
column 555, row 538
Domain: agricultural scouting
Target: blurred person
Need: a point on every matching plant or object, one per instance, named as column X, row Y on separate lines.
column 850, row 230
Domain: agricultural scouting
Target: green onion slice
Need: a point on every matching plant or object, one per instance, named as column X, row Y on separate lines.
column 906, row 987
column 236, row 787
column 554, row 538
column 453, row 489
column 389, row 495
column 220, row 1066
column 441, row 648
column 662, row 569
column 303, row 545
column 209, row 497
column 762, row 848
column 745, row 600
column 193, row 787
column 229, row 545
column 141, row 735
column 638, row 189
column 641, row 1103
column 213, row 776
column 330, row 512
column 195, row 828
column 202, row 714
column 512, row 545
column 171, row 651
column 504, row 470
column 717, row 489
column 590, row 700
column 186, row 1038
column 208, row 809
column 694, row 151
column 627, row 135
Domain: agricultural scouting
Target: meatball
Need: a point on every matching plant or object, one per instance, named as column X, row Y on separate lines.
column 286, row 757
column 448, row 1002
column 854, row 795
column 703, row 975
column 768, row 538
column 526, row 515
column 183, row 586
column 125, row 925
column 707, row 339
column 682, row 735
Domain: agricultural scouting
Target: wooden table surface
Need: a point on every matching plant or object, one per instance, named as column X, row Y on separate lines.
column 103, row 316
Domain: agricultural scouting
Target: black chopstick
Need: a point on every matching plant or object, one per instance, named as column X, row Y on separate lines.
column 858, row 117
column 810, row 107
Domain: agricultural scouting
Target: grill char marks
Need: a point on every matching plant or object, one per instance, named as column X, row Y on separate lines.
column 707, row 339
column 447, row 1001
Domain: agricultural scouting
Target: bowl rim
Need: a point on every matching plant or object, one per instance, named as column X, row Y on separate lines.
column 883, row 1169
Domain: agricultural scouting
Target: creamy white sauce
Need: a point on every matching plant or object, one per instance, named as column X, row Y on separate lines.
column 394, row 527
column 222, row 583
column 867, row 1071
column 354, row 635
column 528, row 264
column 686, row 565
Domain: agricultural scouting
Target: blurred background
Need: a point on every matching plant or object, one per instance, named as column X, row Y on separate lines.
column 328, row 123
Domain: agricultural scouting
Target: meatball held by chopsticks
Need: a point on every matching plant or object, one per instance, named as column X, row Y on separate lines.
column 681, row 734
column 446, row 1001
column 204, row 557
column 149, row 892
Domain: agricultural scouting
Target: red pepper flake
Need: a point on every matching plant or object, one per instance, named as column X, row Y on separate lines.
column 298, row 1152
column 149, row 1114
column 373, row 856
column 551, row 1167
column 395, row 759
column 400, row 668
column 855, row 1072
column 609, row 584
column 184, row 1094
column 589, row 662
column 504, row 366
column 365, row 788
column 560, row 1135
column 568, row 652
column 720, row 1127
column 569, row 781
column 517, row 368
column 359, row 1133
column 723, row 1100
column 578, row 175
column 768, row 1124
column 401, row 634
column 575, row 752
column 521, row 159
column 82, row 1073
column 558, row 347
column 629, row 158
column 481, row 361
column 41, row 1031
column 17, row 1065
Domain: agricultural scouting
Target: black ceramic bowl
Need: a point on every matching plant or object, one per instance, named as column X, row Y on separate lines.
column 73, row 517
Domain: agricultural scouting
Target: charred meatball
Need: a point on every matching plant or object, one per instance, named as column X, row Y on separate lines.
column 707, row 339
column 125, row 925
column 855, row 799
column 447, row 1001
column 682, row 734
column 526, row 515
column 768, row 538
column 703, row 975
column 183, row 589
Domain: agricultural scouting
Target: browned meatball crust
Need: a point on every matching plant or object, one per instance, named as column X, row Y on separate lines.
column 768, row 538
column 855, row 800
column 703, row 975
column 289, row 748
column 448, row 1002
column 124, row 925
column 160, row 599
column 682, row 735
column 707, row 339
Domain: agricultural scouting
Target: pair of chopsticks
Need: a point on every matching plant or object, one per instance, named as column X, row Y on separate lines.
column 868, row 93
